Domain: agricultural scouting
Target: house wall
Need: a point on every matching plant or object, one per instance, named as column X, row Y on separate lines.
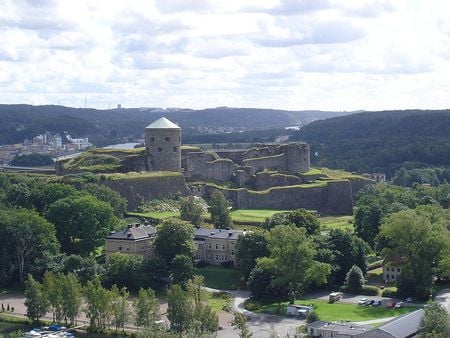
column 142, row 247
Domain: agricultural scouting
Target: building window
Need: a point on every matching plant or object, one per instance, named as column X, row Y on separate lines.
column 388, row 276
column 128, row 249
column 209, row 245
column 223, row 257
column 152, row 139
column 232, row 252
column 223, row 246
column 210, row 257
column 167, row 139
column 120, row 248
column 387, row 268
column 217, row 246
column 398, row 269
column 175, row 149
column 217, row 257
column 159, row 150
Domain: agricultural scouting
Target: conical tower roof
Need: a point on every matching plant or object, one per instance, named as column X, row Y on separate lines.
column 162, row 123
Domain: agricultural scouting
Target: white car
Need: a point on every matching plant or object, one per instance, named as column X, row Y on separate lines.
column 363, row 301
column 399, row 305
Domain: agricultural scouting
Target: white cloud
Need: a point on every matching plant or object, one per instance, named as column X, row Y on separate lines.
column 293, row 54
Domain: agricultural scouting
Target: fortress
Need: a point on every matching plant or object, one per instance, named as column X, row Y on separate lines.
column 267, row 176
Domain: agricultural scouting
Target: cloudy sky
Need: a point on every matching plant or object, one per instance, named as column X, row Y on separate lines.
column 290, row 54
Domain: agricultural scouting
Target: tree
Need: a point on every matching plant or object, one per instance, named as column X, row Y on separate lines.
column 123, row 270
column 194, row 286
column 302, row 218
column 249, row 247
column 368, row 219
column 174, row 238
column 422, row 243
column 435, row 323
column 312, row 316
column 71, row 302
column 53, row 289
column 35, row 299
column 205, row 320
column 182, row 269
column 147, row 309
column 82, row 223
column 106, row 194
column 291, row 259
column 220, row 211
column 98, row 305
column 120, row 307
column 191, row 210
column 241, row 325
column 180, row 310
column 25, row 236
column 354, row 280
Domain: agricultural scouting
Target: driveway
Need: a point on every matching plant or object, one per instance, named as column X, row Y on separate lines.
column 443, row 297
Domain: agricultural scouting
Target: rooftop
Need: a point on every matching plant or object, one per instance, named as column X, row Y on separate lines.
column 217, row 233
column 162, row 123
column 405, row 325
column 347, row 329
column 134, row 233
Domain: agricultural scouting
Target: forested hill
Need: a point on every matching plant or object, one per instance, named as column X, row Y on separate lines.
column 380, row 141
column 108, row 126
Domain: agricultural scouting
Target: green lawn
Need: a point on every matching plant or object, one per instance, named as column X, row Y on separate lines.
column 241, row 216
column 218, row 277
column 336, row 222
column 338, row 311
column 218, row 301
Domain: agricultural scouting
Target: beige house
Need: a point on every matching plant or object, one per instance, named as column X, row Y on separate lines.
column 392, row 268
column 134, row 240
column 216, row 246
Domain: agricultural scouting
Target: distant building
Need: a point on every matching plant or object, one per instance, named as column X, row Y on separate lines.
column 392, row 269
column 134, row 240
column 401, row 327
column 216, row 246
column 379, row 177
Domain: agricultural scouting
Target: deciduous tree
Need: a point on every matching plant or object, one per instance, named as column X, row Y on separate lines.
column 220, row 211
column 192, row 210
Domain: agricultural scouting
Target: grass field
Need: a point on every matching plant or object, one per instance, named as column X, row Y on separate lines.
column 218, row 277
column 336, row 222
column 337, row 311
column 218, row 301
column 240, row 216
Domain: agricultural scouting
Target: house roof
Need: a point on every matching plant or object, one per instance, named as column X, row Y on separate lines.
column 405, row 325
column 217, row 233
column 162, row 123
column 134, row 233
column 343, row 329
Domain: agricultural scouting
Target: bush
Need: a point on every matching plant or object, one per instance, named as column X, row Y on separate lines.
column 389, row 293
column 201, row 264
column 312, row 317
column 369, row 290
column 228, row 264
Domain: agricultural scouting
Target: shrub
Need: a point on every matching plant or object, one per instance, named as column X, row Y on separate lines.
column 312, row 317
column 228, row 264
column 389, row 293
column 369, row 290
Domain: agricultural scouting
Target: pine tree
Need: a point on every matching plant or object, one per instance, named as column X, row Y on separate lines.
column 219, row 210
column 354, row 279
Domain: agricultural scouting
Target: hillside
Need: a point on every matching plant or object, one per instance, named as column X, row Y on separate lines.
column 115, row 125
column 380, row 141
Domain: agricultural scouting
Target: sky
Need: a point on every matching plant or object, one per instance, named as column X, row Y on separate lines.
column 285, row 54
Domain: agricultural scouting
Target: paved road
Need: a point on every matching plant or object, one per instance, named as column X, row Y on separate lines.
column 443, row 297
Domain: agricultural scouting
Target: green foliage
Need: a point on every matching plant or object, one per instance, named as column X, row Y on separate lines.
column 435, row 323
column 241, row 325
column 106, row 194
column 191, row 210
column 35, row 299
column 312, row 317
column 248, row 248
column 301, row 218
column 368, row 219
column 182, row 269
column 32, row 160
column 82, row 223
column 433, row 176
column 180, row 309
column 175, row 237
column 422, row 240
column 24, row 237
column 291, row 259
column 354, row 279
column 219, row 210
column 162, row 205
column 389, row 293
column 147, row 309
column 98, row 305
column 93, row 162
column 121, row 310
column 379, row 141
column 123, row 270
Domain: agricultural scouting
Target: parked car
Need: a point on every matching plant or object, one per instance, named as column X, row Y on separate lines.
column 370, row 302
column 377, row 303
column 399, row 305
column 409, row 300
column 363, row 301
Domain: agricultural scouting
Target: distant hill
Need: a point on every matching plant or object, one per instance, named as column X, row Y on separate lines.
column 115, row 125
column 380, row 141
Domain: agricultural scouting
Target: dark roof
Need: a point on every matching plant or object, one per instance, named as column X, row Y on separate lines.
column 134, row 233
column 217, row 233
column 404, row 325
column 316, row 324
column 347, row 329
column 375, row 333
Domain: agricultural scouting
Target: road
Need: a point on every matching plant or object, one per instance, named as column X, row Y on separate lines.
column 443, row 297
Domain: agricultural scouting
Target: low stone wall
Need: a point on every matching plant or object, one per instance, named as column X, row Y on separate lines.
column 269, row 162
column 265, row 181
column 140, row 189
column 220, row 170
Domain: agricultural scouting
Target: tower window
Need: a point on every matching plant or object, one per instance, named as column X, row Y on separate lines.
column 167, row 139
column 152, row 139
column 175, row 149
column 159, row 150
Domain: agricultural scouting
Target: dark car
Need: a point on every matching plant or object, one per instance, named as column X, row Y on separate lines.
column 370, row 302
